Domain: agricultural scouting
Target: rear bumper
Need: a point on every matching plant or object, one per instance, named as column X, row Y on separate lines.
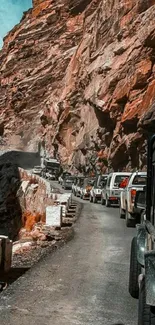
column 114, row 200
column 98, row 196
column 86, row 195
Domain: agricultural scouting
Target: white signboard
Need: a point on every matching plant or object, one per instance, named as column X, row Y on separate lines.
column 54, row 216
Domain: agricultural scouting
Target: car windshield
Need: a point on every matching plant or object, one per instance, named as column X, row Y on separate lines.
column 119, row 179
column 139, row 180
column 66, row 175
column 70, row 178
column 89, row 182
column 103, row 182
column 80, row 181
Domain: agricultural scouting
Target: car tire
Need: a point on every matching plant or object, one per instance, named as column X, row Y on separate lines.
column 135, row 270
column 145, row 314
column 107, row 203
column 102, row 201
column 121, row 212
column 94, row 199
column 90, row 199
column 130, row 223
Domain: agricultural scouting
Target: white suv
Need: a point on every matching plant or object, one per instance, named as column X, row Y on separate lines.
column 96, row 191
column 111, row 192
column 127, row 209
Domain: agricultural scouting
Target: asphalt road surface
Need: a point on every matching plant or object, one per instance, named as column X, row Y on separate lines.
column 83, row 283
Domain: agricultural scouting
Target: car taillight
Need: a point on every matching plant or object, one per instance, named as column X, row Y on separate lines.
column 133, row 194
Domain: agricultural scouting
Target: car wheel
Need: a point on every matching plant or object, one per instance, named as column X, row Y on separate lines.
column 102, row 201
column 135, row 270
column 94, row 199
column 107, row 203
column 121, row 212
column 91, row 199
column 145, row 314
column 129, row 222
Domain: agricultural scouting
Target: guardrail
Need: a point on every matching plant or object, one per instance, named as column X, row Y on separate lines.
column 55, row 215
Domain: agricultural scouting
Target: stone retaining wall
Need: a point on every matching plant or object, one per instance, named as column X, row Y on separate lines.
column 36, row 192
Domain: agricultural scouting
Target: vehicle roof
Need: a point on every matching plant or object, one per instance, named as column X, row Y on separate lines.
column 120, row 173
column 140, row 173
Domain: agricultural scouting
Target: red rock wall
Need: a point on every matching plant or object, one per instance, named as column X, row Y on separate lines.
column 80, row 75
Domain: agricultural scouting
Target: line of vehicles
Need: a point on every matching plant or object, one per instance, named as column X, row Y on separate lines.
column 117, row 188
column 134, row 193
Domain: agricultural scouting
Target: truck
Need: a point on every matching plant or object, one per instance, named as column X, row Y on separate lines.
column 142, row 254
column 52, row 168
column 111, row 191
column 127, row 197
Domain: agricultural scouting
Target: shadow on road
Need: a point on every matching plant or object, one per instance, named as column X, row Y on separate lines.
column 13, row 275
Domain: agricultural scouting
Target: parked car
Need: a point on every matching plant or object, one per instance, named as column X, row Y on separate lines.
column 74, row 184
column 111, row 192
column 79, row 184
column 37, row 170
column 62, row 176
column 86, row 188
column 68, row 182
column 95, row 193
column 127, row 197
column 142, row 256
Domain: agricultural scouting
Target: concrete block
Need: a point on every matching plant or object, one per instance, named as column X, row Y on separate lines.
column 65, row 199
column 54, row 216
column 64, row 210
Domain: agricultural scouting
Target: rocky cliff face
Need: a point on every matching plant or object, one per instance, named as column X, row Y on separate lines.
column 79, row 77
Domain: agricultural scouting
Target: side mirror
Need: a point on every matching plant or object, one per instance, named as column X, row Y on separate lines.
column 140, row 200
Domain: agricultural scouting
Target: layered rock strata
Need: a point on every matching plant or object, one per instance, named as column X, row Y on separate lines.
column 78, row 76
